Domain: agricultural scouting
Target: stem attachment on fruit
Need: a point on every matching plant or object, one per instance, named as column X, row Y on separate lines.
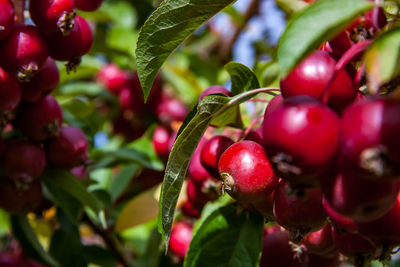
column 66, row 22
column 25, row 73
column 376, row 160
column 6, row 117
column 228, row 184
column 72, row 64
column 284, row 163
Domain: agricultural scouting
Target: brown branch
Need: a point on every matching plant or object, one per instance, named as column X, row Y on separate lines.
column 19, row 9
column 225, row 49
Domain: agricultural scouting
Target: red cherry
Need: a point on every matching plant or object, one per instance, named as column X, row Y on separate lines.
column 339, row 221
column 189, row 210
column 198, row 174
column 52, row 16
column 319, row 242
column 160, row 142
column 24, row 161
column 301, row 139
column 215, row 89
column 88, row 5
column 311, row 77
column 212, row 151
column 40, row 120
column 273, row 104
column 341, row 43
column 171, row 109
column 80, row 172
column 181, row 236
column 130, row 127
column 255, row 136
column 246, row 172
column 112, row 78
column 10, row 96
column 69, row 149
column 6, row 18
column 266, row 207
column 24, row 51
column 43, row 83
column 195, row 195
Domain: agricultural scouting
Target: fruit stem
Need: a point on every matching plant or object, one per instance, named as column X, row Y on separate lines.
column 351, row 53
column 19, row 9
column 251, row 126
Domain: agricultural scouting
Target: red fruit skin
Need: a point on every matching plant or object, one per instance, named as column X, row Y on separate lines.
column 74, row 45
column 88, row 5
column 369, row 138
column 170, row 110
column 359, row 199
column 195, row 195
column 215, row 89
column 255, row 136
column 8, row 259
column 198, row 174
column 42, row 84
column 160, row 142
column 52, row 16
column 273, row 104
column 112, row 78
column 341, row 43
column 294, row 213
column 339, row 221
column 23, row 50
column 19, row 200
column 181, row 236
column 189, row 210
column 10, row 96
column 247, row 172
column 80, row 172
column 319, row 242
column 322, row 261
column 301, row 138
column 6, row 18
column 277, row 252
column 69, row 149
column 312, row 75
column 129, row 128
column 212, row 151
column 41, row 120
column 266, row 207
column 24, row 161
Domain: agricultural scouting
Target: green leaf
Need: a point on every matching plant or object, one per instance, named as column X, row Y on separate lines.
column 23, row 231
column 291, row 7
column 166, row 29
column 242, row 77
column 382, row 58
column 320, row 21
column 67, row 248
column 121, row 181
column 227, row 239
column 99, row 256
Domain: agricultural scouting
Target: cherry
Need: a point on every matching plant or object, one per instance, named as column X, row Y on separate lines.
column 42, row 84
column 24, row 161
column 301, row 139
column 357, row 198
column 129, row 126
column 10, row 96
column 69, row 149
column 273, row 104
column 19, row 200
column 23, row 51
column 73, row 46
column 246, row 172
column 53, row 15
column 341, row 43
column 255, row 136
column 319, row 242
column 294, row 213
column 189, row 210
column 195, row 194
column 369, row 138
column 6, row 18
column 112, row 78
column 198, row 174
column 266, row 207
column 313, row 74
column 80, row 172
column 40, row 120
column 212, row 151
column 160, row 142
column 181, row 236
column 340, row 222
column 215, row 89
column 88, row 5
column 171, row 109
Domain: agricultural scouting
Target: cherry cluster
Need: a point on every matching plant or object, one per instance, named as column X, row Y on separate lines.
column 31, row 120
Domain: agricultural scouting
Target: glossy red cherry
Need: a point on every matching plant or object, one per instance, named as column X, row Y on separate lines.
column 369, row 138
column 6, row 18
column 112, row 78
column 10, row 96
column 319, row 242
column 196, row 171
column 212, row 151
column 53, row 15
column 42, row 84
column 160, row 142
column 339, row 221
column 23, row 161
column 181, row 236
column 171, row 109
column 69, row 149
column 255, row 136
column 40, row 120
column 23, row 51
column 273, row 104
column 313, row 74
column 215, row 89
column 301, row 139
column 246, row 172
column 88, row 5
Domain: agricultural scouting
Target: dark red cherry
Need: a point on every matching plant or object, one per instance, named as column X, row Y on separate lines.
column 88, row 5
column 273, row 103
column 215, row 89
column 195, row 194
column 112, row 78
column 6, row 18
column 198, row 174
column 189, row 210
column 319, row 242
column 10, row 96
column 266, row 207
column 339, row 221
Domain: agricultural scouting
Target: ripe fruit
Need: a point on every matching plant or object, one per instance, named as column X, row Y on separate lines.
column 171, row 109
column 10, row 96
column 215, row 89
column 112, row 78
column 23, row 51
column 301, row 139
column 195, row 195
column 53, row 15
column 311, row 77
column 189, row 210
column 319, row 242
column 340, row 222
column 6, row 18
column 266, row 207
column 88, row 5
column 256, row 136
column 80, row 172
column 40, row 120
column 72, row 46
column 369, row 138
column 181, row 236
column 331, row 260
column 273, row 104
column 43, row 83
column 69, row 149
column 212, row 151
column 295, row 214
column 160, row 142
column 196, row 171
column 23, row 161
column 246, row 172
